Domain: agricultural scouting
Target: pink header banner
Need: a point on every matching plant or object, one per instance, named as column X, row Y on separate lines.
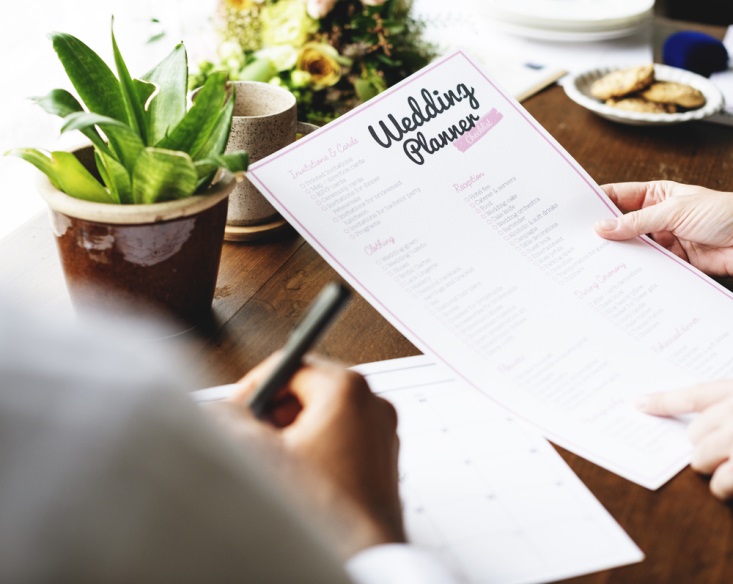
column 482, row 128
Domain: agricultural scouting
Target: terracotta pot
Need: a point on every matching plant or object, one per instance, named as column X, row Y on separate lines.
column 159, row 256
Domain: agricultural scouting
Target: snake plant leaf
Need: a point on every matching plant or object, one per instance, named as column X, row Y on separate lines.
column 126, row 143
column 145, row 92
column 115, row 176
column 168, row 106
column 219, row 134
column 61, row 103
column 193, row 131
column 93, row 80
column 162, row 175
column 58, row 102
column 135, row 113
column 215, row 146
column 235, row 162
column 66, row 173
column 145, row 139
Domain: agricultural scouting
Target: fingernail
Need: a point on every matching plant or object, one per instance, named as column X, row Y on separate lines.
column 607, row 224
column 643, row 403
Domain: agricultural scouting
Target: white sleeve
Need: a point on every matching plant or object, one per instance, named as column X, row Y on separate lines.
column 398, row 564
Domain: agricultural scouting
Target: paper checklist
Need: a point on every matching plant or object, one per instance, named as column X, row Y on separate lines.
column 447, row 206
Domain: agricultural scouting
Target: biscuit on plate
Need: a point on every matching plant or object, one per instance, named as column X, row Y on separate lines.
column 639, row 104
column 623, row 82
column 675, row 93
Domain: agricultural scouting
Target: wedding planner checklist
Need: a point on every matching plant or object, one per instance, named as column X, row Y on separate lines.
column 454, row 213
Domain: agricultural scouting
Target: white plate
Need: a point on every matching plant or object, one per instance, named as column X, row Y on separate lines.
column 568, row 14
column 569, row 36
column 578, row 89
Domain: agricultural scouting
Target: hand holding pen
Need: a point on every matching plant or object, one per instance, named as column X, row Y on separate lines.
column 321, row 313
column 341, row 431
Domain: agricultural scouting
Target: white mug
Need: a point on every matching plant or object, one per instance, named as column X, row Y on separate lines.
column 264, row 121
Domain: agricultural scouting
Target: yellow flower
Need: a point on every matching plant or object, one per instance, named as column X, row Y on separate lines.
column 239, row 4
column 321, row 62
column 286, row 23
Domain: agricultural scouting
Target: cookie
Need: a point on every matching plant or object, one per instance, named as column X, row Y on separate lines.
column 639, row 104
column 674, row 93
column 623, row 82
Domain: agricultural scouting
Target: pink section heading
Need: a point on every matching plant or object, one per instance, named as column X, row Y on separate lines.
column 482, row 127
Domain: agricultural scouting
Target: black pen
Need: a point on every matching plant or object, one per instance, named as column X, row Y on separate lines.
column 324, row 308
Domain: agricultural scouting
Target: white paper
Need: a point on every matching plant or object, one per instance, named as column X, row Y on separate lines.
column 485, row 492
column 484, row 256
column 482, row 490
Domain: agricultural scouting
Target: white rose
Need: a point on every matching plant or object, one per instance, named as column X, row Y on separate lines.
column 373, row 2
column 319, row 8
column 282, row 56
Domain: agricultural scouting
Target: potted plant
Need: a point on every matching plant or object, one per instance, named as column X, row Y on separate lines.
column 140, row 212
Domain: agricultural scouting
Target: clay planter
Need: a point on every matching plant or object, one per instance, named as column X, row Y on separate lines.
column 159, row 256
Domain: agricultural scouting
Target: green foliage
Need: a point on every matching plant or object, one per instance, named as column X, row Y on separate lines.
column 149, row 147
column 359, row 51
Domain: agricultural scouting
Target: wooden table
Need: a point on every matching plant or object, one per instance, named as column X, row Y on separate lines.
column 264, row 288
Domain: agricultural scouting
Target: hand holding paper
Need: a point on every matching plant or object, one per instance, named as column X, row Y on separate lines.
column 692, row 222
column 711, row 432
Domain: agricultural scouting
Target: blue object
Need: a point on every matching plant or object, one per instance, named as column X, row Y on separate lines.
column 695, row 51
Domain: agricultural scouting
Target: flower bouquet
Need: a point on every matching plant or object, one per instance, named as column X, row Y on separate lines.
column 332, row 54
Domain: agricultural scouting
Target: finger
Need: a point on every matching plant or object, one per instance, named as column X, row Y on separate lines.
column 317, row 385
column 237, row 420
column 665, row 239
column 679, row 250
column 721, row 484
column 254, row 377
column 629, row 196
column 330, row 393
column 714, row 417
column 315, row 380
column 661, row 217
column 712, row 450
column 388, row 413
column 683, row 401
column 283, row 410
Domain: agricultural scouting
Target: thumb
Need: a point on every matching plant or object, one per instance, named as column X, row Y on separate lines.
column 659, row 217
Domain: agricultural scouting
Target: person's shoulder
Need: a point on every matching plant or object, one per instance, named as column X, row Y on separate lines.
column 83, row 369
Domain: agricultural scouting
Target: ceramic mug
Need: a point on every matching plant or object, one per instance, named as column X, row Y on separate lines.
column 265, row 120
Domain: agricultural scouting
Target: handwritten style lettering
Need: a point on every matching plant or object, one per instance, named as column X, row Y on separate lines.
column 433, row 104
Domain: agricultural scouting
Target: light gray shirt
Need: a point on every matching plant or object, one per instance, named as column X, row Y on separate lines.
column 110, row 473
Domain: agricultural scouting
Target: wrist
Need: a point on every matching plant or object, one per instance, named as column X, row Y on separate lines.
column 361, row 527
